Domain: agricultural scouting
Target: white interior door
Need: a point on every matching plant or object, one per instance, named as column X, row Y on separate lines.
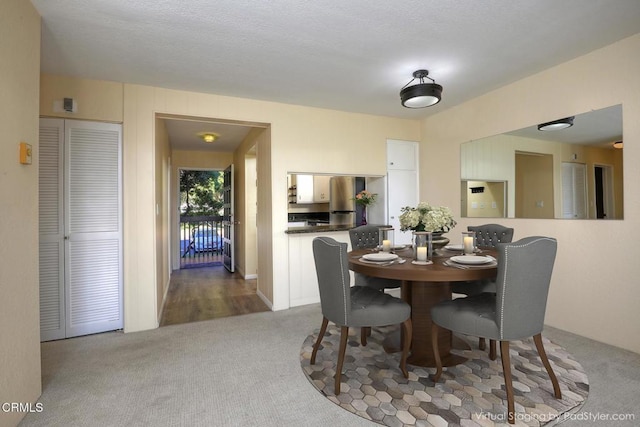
column 402, row 191
column 228, row 220
column 574, row 190
column 80, row 228
column 93, row 268
column 51, row 226
column 402, row 183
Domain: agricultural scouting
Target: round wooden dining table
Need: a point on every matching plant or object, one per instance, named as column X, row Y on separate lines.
column 423, row 286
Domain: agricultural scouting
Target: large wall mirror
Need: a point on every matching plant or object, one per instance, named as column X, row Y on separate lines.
column 574, row 172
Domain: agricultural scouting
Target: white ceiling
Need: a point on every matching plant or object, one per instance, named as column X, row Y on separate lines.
column 598, row 127
column 184, row 134
column 345, row 55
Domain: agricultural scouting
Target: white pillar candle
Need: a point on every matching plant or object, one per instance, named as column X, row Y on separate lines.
column 422, row 253
column 467, row 243
column 386, row 245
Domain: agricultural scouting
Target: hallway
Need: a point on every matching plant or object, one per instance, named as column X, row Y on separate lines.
column 209, row 293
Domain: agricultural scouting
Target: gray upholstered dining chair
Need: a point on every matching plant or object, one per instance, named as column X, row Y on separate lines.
column 516, row 311
column 367, row 237
column 488, row 236
column 356, row 306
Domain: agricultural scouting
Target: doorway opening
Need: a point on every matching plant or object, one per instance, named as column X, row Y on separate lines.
column 219, row 232
column 201, row 208
column 534, row 185
column 603, row 188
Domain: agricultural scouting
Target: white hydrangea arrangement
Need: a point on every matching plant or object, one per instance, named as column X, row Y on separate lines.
column 425, row 217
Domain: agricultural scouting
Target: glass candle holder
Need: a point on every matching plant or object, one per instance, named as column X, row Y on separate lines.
column 386, row 241
column 469, row 242
column 422, row 246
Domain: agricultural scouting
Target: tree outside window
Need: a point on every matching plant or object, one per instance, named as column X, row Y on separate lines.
column 201, row 193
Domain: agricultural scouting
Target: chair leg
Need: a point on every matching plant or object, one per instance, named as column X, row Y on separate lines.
column 407, row 332
column 482, row 343
column 323, row 329
column 436, row 352
column 545, row 361
column 344, row 334
column 364, row 333
column 492, row 350
column 508, row 385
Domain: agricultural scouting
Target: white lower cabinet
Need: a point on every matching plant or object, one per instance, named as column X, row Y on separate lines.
column 303, row 281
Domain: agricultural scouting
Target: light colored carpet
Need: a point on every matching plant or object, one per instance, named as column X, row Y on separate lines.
column 245, row 371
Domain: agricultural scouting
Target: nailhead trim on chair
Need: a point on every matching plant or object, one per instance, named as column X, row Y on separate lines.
column 504, row 289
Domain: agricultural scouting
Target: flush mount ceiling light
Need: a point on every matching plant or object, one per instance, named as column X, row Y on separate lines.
column 421, row 94
column 618, row 144
column 208, row 136
column 557, row 124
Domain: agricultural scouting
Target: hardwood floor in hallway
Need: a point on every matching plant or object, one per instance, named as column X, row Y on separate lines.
column 209, row 293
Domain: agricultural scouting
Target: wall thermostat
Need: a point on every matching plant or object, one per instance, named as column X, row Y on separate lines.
column 25, row 153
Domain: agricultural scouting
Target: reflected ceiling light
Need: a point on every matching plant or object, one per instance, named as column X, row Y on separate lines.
column 618, row 144
column 421, row 94
column 208, row 136
column 557, row 124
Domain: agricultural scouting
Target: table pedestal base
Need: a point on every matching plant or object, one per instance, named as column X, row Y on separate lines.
column 392, row 344
column 422, row 296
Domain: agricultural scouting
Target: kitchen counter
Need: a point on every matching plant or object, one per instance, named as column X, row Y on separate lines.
column 318, row 229
column 324, row 228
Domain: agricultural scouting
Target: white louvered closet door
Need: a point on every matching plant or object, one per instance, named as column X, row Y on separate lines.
column 93, row 227
column 50, row 155
column 80, row 228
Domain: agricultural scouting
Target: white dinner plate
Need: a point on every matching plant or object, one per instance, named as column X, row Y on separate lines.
column 471, row 259
column 380, row 257
column 453, row 247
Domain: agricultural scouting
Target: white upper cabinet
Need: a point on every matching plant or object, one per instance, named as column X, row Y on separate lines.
column 402, row 155
column 309, row 188
column 304, row 188
column 321, row 188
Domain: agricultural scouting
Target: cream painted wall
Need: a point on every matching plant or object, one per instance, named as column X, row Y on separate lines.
column 19, row 306
column 96, row 99
column 264, row 218
column 162, row 214
column 594, row 289
column 246, row 195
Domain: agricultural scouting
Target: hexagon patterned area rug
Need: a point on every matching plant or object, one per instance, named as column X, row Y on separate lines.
column 470, row 394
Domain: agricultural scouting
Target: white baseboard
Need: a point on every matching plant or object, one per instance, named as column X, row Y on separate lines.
column 164, row 300
column 265, row 300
